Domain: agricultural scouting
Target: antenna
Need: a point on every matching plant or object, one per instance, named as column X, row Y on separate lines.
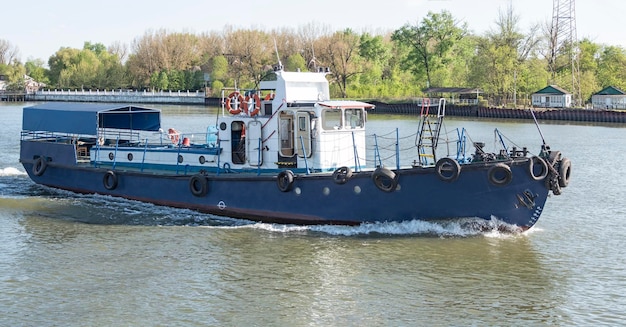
column 280, row 64
column 314, row 60
column 538, row 128
column 563, row 40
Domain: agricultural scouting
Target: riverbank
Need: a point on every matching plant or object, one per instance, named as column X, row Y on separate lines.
column 569, row 114
column 199, row 98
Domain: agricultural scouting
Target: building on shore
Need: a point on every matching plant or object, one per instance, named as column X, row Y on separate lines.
column 552, row 96
column 609, row 97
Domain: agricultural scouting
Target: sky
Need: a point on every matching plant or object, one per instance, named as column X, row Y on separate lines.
column 38, row 28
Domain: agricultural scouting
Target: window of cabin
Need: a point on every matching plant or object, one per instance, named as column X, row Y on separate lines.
column 331, row 119
column 353, row 118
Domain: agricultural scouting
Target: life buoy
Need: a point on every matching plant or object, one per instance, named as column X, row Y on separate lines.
column 269, row 97
column 565, row 170
column 109, row 180
column 447, row 169
column 238, row 100
column 39, row 166
column 500, row 174
column 285, row 180
column 341, row 175
column 533, row 164
column 198, row 185
column 174, row 135
column 257, row 105
column 385, row 179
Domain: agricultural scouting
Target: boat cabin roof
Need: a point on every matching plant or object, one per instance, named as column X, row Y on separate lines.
column 86, row 118
column 346, row 104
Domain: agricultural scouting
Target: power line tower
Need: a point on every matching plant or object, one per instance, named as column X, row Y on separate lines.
column 564, row 41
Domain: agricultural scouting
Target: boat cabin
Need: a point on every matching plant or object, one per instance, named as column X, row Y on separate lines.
column 294, row 126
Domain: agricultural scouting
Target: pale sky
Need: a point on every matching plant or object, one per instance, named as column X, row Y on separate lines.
column 40, row 27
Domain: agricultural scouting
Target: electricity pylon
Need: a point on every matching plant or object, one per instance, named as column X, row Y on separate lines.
column 564, row 41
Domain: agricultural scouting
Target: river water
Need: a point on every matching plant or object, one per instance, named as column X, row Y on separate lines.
column 78, row 260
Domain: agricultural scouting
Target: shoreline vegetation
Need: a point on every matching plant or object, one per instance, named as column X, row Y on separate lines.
column 506, row 64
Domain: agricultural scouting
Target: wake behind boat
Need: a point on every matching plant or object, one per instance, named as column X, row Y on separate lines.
column 286, row 153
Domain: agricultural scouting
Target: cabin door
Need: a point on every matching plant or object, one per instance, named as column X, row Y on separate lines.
column 303, row 134
column 285, row 133
column 254, row 146
column 238, row 142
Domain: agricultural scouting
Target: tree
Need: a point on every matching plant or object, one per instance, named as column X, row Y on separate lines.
column 499, row 64
column 35, row 69
column 249, row 54
column 430, row 42
column 341, row 53
column 612, row 67
column 163, row 81
column 8, row 52
column 295, row 62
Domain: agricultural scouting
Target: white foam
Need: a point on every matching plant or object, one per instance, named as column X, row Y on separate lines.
column 11, row 171
column 455, row 228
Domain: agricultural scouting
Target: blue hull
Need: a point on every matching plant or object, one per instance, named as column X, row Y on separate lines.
column 312, row 199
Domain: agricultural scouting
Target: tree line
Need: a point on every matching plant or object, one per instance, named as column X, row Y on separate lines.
column 506, row 64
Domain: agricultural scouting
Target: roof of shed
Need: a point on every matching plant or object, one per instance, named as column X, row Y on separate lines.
column 552, row 89
column 611, row 90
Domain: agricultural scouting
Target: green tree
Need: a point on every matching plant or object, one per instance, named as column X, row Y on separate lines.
column 430, row 43
column 97, row 48
column 295, row 62
column 163, row 81
column 612, row 67
column 219, row 68
column 35, row 69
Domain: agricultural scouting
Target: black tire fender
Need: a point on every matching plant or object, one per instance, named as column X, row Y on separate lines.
column 284, row 180
column 565, row 170
column 109, row 180
column 198, row 185
column 39, row 166
column 341, row 175
column 385, row 179
column 447, row 169
column 500, row 174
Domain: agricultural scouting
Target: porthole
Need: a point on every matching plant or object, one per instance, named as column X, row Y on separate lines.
column 130, row 157
column 180, row 158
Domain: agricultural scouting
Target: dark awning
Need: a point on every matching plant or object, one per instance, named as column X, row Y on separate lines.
column 86, row 118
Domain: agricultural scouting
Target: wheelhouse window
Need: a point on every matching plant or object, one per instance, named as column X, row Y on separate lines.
column 354, row 118
column 331, row 119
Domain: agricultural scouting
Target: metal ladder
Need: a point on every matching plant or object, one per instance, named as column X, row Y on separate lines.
column 428, row 132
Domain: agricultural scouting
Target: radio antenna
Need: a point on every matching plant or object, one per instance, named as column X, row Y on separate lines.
column 538, row 128
column 280, row 64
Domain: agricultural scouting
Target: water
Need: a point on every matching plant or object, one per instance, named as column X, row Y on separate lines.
column 78, row 260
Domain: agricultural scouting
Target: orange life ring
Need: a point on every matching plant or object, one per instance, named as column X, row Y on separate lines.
column 257, row 105
column 174, row 135
column 232, row 97
column 268, row 97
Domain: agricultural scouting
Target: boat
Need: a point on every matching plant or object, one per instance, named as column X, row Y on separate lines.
column 286, row 153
